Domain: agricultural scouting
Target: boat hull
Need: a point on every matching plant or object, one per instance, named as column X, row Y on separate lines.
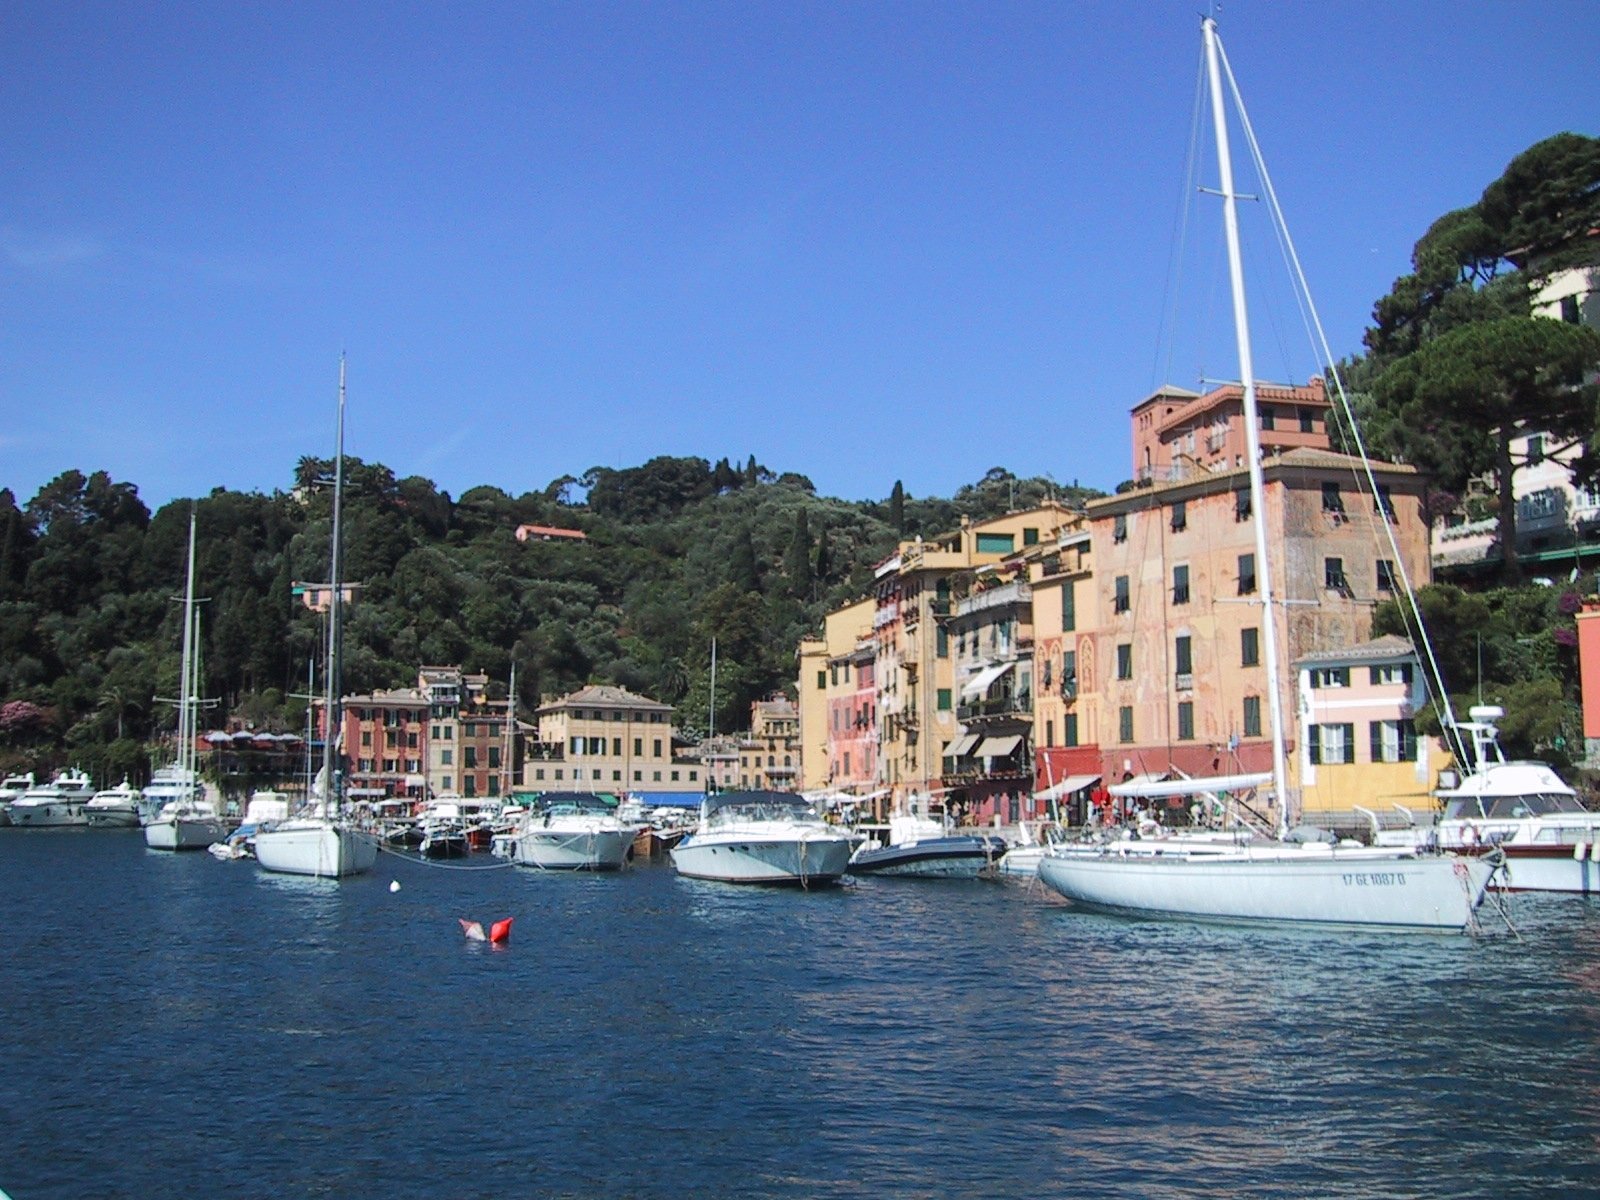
column 112, row 818
column 54, row 814
column 1437, row 893
column 574, row 850
column 1573, row 869
column 323, row 849
column 933, row 858
column 184, row 833
column 800, row 861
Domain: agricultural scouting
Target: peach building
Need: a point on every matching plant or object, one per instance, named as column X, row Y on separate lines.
column 1180, row 678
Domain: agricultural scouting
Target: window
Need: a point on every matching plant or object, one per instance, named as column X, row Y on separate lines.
column 1390, row 673
column 1570, row 312
column 1535, row 449
column 1119, row 602
column 1250, row 647
column 1269, row 419
column 1069, row 609
column 1069, row 730
column 638, row 745
column 1247, row 574
column 1124, row 660
column 1330, row 677
column 469, row 756
column 1333, row 577
column 944, row 699
column 616, row 747
column 1383, row 502
column 1125, row 723
column 995, row 543
column 1119, row 527
column 1385, row 575
column 1030, row 537
column 655, row 748
column 1332, row 501
column 1180, row 515
column 1308, row 420
column 822, row 680
column 1332, row 744
column 1183, row 657
column 1241, row 505
column 494, row 758
column 1252, row 716
column 1069, row 673
column 1180, row 584
column 941, row 641
column 366, row 737
column 469, row 784
column 1185, row 721
column 1393, row 741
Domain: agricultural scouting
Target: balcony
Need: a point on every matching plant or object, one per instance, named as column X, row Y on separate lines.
column 1020, row 705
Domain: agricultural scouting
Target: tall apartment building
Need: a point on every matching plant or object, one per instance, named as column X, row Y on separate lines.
column 1066, row 617
column 914, row 675
column 988, row 767
column 386, row 744
column 466, row 741
column 838, row 703
column 1179, row 671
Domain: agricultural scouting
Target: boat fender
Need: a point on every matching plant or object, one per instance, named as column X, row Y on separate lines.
column 500, row 932
column 1594, row 852
column 1469, row 836
column 472, row 929
column 1580, row 852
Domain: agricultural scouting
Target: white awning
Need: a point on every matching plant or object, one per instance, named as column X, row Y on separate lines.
column 962, row 745
column 998, row 747
column 1069, row 785
column 980, row 683
column 1147, row 788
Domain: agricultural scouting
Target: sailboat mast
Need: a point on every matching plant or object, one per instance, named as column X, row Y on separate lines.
column 186, row 720
column 1241, row 327
column 508, row 742
column 334, row 682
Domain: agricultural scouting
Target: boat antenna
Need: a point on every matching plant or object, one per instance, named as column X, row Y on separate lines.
column 1241, row 326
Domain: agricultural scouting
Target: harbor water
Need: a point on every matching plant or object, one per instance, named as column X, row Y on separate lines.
column 175, row 1026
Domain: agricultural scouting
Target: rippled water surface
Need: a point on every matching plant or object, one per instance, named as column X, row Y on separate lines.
column 176, row 1026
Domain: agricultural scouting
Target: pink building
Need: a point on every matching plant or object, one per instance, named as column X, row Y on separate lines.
column 852, row 724
column 1589, row 675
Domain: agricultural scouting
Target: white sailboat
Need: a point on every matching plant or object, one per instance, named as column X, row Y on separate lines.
column 179, row 814
column 1274, row 881
column 322, row 840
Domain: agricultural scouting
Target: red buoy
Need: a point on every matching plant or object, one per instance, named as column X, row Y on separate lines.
column 500, row 932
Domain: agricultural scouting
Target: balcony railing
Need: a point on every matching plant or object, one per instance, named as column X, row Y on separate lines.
column 1020, row 705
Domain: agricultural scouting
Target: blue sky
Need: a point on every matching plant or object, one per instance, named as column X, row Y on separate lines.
column 866, row 242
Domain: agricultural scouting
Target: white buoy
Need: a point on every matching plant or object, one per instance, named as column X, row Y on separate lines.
column 394, row 885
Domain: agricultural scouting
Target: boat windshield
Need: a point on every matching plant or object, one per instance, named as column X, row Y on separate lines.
column 1533, row 804
column 575, row 802
column 759, row 806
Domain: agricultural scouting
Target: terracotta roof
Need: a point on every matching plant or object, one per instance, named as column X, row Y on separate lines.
column 600, row 695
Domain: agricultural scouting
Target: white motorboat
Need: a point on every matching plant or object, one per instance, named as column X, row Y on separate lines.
column 763, row 837
column 11, row 788
column 56, row 804
column 1551, row 841
column 1023, row 858
column 179, row 812
column 1379, row 886
column 324, row 841
column 115, row 808
column 573, row 831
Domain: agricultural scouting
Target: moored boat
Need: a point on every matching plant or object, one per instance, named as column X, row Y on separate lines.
column 11, row 788
column 763, row 837
column 574, row 831
column 114, row 808
column 59, row 803
column 1550, row 840
column 922, row 848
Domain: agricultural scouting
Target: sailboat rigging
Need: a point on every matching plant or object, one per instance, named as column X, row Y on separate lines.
column 322, row 840
column 179, row 815
column 1317, row 883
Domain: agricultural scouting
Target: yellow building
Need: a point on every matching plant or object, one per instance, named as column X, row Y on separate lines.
column 830, row 681
column 1358, row 746
column 606, row 739
column 914, row 675
column 769, row 753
